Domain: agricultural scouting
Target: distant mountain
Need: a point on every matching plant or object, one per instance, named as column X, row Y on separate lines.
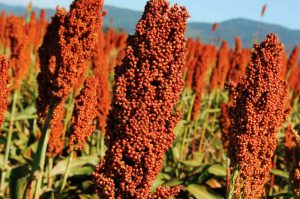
column 246, row 29
column 126, row 19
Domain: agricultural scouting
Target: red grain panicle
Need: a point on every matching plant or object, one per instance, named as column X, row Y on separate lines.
column 257, row 112
column 67, row 45
column 4, row 85
column 142, row 119
column 31, row 28
column 40, row 30
column 56, row 142
column 215, row 27
column 297, row 86
column 194, row 49
column 263, row 10
column 20, row 48
column 292, row 157
column 199, row 74
column 101, row 71
column 220, row 71
column 212, row 53
column 82, row 122
column 224, row 122
column 238, row 62
column 292, row 64
column 2, row 29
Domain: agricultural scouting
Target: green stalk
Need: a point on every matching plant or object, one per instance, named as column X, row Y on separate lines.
column 41, row 165
column 68, row 115
column 66, row 172
column 205, row 124
column 50, row 165
column 217, row 105
column 8, row 143
column 40, row 156
column 98, row 141
column 102, row 146
column 232, row 184
column 186, row 129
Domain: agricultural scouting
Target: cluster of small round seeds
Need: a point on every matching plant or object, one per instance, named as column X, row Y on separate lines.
column 143, row 115
column 257, row 111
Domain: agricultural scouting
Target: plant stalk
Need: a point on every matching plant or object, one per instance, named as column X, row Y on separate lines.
column 40, row 156
column 66, row 172
column 9, row 141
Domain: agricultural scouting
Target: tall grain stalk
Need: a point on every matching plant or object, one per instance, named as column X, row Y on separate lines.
column 143, row 114
column 9, row 139
column 40, row 156
column 257, row 112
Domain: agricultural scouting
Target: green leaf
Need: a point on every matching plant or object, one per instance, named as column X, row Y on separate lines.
column 217, row 170
column 280, row 173
column 84, row 171
column 158, row 182
column 17, row 181
column 202, row 192
column 174, row 182
column 191, row 163
column 179, row 129
column 26, row 114
column 75, row 165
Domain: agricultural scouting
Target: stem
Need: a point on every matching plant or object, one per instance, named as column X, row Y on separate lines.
column 217, row 104
column 195, row 131
column 205, row 124
column 98, row 145
column 68, row 115
column 8, row 143
column 66, row 172
column 187, row 128
column 102, row 146
column 232, row 184
column 41, row 166
column 50, row 165
column 40, row 156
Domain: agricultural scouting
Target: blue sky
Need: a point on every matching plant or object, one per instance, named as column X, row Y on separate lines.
column 282, row 12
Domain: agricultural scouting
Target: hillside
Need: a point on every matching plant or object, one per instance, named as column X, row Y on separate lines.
column 126, row 19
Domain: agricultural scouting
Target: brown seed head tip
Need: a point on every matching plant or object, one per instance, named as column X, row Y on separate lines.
column 263, row 10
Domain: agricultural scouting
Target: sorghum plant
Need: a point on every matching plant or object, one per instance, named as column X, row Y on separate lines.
column 257, row 111
column 68, row 43
column 20, row 49
column 221, row 69
column 238, row 62
column 141, row 122
column 198, row 84
column 101, row 71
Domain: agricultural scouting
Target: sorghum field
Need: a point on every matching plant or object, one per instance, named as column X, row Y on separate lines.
column 87, row 112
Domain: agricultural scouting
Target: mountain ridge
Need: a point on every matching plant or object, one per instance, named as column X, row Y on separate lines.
column 246, row 29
